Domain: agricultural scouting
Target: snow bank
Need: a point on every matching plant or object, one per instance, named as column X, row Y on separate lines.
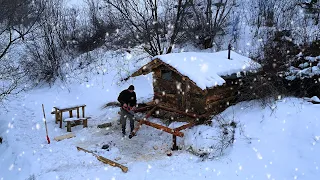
column 209, row 141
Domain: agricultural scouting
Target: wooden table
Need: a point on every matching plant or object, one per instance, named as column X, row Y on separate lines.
column 58, row 111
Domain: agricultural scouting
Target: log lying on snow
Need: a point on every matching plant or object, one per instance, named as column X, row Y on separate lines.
column 105, row 160
column 66, row 136
column 314, row 102
column 104, row 125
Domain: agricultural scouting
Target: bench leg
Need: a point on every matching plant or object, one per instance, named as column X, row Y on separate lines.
column 85, row 123
column 69, row 126
column 60, row 119
column 57, row 116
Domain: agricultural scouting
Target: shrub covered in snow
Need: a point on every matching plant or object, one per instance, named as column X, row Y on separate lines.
column 210, row 141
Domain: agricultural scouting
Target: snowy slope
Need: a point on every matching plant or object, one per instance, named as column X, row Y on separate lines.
column 277, row 143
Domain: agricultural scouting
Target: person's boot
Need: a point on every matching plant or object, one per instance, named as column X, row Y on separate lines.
column 131, row 135
column 123, row 133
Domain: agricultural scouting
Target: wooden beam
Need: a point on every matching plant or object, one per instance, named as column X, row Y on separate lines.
column 163, row 128
column 185, row 126
column 177, row 111
column 133, row 133
column 150, row 112
column 174, row 143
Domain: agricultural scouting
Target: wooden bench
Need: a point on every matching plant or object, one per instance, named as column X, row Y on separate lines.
column 58, row 111
column 74, row 119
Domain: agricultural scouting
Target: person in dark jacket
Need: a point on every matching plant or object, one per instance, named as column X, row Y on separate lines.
column 128, row 101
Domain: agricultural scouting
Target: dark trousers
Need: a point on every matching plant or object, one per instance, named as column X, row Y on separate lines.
column 123, row 120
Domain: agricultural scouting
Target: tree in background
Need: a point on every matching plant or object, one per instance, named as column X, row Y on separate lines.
column 18, row 18
column 210, row 19
column 156, row 25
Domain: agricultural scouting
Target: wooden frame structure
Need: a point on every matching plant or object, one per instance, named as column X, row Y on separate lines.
column 175, row 132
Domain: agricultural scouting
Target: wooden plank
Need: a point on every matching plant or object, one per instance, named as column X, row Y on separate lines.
column 74, row 119
column 105, row 160
column 69, row 108
column 163, row 128
column 66, row 136
column 133, row 133
column 60, row 114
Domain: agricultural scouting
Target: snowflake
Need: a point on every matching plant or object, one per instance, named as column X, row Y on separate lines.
column 37, row 126
column 259, row 156
column 11, row 167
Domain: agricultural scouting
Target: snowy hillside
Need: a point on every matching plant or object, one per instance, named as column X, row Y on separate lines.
column 281, row 142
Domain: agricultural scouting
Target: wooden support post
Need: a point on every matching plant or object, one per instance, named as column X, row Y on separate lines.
column 85, row 123
column 60, row 114
column 56, row 115
column 163, row 128
column 78, row 113
column 69, row 126
column 133, row 133
column 174, row 143
column 83, row 115
column 70, row 113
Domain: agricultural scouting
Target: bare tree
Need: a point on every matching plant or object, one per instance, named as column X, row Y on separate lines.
column 210, row 19
column 48, row 46
column 148, row 23
column 18, row 20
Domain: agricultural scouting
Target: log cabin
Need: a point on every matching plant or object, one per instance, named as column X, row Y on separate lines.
column 195, row 82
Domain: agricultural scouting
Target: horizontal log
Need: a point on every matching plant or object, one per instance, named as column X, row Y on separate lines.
column 133, row 133
column 185, row 126
column 179, row 112
column 163, row 128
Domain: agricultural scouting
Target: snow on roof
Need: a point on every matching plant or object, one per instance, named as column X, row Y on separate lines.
column 206, row 69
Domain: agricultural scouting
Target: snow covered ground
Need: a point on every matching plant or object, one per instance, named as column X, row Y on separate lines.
column 281, row 142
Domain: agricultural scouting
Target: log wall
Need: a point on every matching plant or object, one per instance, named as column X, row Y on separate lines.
column 183, row 95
